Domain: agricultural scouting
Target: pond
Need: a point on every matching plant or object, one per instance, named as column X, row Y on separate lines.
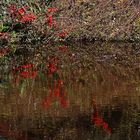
column 70, row 92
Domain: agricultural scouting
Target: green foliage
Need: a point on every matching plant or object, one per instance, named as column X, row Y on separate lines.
column 3, row 28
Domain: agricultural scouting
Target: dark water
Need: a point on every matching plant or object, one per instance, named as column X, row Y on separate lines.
column 82, row 92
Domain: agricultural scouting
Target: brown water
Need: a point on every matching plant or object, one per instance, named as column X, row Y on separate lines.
column 94, row 94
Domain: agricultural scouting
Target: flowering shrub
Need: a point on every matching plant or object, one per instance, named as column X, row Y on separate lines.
column 104, row 20
column 21, row 13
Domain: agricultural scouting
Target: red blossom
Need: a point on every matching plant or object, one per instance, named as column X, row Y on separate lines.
column 28, row 17
column 25, row 74
column 27, row 66
column 12, row 8
column 49, row 20
column 1, row 34
column 28, row 74
column 21, row 11
column 52, row 10
column 62, row 34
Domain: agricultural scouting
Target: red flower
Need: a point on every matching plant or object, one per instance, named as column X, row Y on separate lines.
column 27, row 66
column 105, row 125
column 28, row 17
column 3, row 34
column 12, row 8
column 27, row 74
column 63, row 33
column 21, row 11
column 52, row 9
column 50, row 20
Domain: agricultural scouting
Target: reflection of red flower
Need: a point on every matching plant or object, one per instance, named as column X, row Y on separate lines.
column 56, row 92
column 47, row 100
column 52, row 68
column 25, row 74
column 98, row 120
column 16, row 80
column 33, row 74
column 63, row 101
column 28, row 74
column 6, row 131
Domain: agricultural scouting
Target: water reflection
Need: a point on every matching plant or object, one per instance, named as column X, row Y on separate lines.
column 80, row 94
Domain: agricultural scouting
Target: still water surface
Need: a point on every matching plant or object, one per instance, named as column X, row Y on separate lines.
column 83, row 92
